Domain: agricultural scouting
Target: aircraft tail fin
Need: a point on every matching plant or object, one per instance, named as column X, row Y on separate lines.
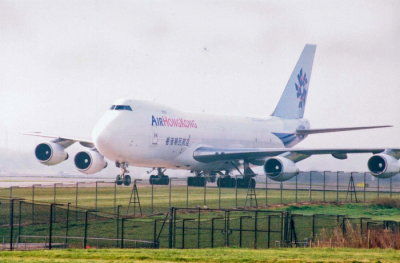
column 293, row 100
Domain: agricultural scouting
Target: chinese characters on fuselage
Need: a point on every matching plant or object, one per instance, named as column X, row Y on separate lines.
column 179, row 141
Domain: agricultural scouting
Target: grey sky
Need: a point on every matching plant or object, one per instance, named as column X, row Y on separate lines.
column 64, row 62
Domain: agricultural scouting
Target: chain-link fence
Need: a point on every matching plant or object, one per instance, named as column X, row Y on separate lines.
column 27, row 225
column 150, row 199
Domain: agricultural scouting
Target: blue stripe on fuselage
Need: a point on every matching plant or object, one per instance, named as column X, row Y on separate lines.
column 286, row 138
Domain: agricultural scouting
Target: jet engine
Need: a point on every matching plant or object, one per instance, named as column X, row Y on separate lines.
column 383, row 165
column 280, row 169
column 50, row 153
column 89, row 162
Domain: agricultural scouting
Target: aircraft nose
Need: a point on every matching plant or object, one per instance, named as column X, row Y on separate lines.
column 102, row 135
column 101, row 139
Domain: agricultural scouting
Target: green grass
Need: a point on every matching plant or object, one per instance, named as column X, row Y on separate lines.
column 181, row 196
column 143, row 228
column 293, row 255
column 372, row 211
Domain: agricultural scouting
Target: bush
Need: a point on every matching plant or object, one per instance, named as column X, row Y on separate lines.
column 387, row 202
column 352, row 237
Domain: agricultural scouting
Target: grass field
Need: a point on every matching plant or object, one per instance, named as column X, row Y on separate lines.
column 368, row 210
column 153, row 200
column 106, row 198
column 294, row 255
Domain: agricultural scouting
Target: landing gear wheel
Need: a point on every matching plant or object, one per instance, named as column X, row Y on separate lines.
column 159, row 180
column 227, row 182
column 118, row 180
column 196, row 181
column 153, row 179
column 127, row 180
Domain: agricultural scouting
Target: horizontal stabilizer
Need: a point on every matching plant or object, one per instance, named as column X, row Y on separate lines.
column 314, row 131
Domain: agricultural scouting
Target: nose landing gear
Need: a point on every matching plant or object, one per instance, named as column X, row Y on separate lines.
column 123, row 178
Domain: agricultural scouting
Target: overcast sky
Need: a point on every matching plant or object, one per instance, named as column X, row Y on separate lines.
column 64, row 62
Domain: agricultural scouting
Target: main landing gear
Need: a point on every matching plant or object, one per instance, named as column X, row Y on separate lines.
column 198, row 180
column 160, row 178
column 230, row 182
column 123, row 178
column 246, row 181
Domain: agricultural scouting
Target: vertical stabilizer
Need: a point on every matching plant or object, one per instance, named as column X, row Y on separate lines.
column 293, row 100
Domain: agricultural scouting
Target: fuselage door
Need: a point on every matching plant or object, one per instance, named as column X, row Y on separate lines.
column 154, row 140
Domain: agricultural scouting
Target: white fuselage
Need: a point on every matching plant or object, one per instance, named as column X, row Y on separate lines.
column 153, row 135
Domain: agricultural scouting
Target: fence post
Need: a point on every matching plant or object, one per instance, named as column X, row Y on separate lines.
column 122, row 232
column 154, row 233
column 152, row 195
column 118, row 214
column 67, row 224
column 187, row 193
column 76, row 201
column 337, row 187
column 171, row 224
column 19, row 221
column 219, row 196
column 296, row 189
column 269, row 232
column 213, row 229
column 51, row 225
column 313, row 228
column 236, row 192
column 11, row 223
column 344, row 225
column 228, row 228
column 266, row 190
column 324, row 186
column 310, row 187
column 255, row 228
column 33, row 204
column 115, row 197
column 285, row 234
column 379, row 182
column 212, row 233
column 54, row 193
column 365, row 185
column 183, row 230
column 205, row 192
column 86, row 229
column 226, row 217
column 240, row 231
column 96, row 194
column 170, row 192
column 198, row 229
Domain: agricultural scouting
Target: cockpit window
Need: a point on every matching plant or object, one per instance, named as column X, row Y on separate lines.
column 121, row 107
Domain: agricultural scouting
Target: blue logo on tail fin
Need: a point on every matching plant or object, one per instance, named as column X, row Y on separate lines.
column 301, row 88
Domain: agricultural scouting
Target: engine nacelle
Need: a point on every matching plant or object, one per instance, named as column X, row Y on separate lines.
column 89, row 162
column 280, row 168
column 383, row 165
column 50, row 153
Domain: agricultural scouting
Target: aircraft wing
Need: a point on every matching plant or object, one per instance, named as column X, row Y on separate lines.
column 64, row 140
column 315, row 131
column 209, row 154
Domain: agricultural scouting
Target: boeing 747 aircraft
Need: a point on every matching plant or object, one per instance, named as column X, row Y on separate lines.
column 147, row 134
